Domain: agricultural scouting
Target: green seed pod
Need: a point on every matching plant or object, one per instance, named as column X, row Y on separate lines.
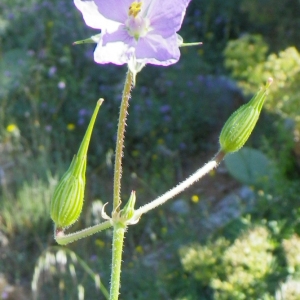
column 241, row 123
column 67, row 200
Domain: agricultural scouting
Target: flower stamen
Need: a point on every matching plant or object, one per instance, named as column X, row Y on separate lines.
column 134, row 9
column 137, row 25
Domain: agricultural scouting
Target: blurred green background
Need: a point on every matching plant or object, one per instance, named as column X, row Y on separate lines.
column 234, row 235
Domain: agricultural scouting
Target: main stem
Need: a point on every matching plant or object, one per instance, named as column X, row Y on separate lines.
column 119, row 227
column 117, row 248
column 120, row 140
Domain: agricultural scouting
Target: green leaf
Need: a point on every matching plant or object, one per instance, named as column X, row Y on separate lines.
column 249, row 166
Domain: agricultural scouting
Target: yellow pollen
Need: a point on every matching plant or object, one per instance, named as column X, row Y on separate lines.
column 135, row 8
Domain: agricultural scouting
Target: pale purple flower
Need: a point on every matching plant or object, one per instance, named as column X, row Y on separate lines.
column 48, row 128
column 165, row 108
column 52, row 71
column 61, row 85
column 135, row 32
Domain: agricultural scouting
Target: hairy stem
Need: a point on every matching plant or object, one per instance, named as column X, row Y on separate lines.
column 117, row 248
column 64, row 239
column 213, row 163
column 120, row 140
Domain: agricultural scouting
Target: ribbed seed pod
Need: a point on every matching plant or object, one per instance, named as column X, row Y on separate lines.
column 241, row 123
column 67, row 201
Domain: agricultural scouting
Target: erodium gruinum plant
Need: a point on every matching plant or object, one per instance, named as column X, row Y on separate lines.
column 135, row 33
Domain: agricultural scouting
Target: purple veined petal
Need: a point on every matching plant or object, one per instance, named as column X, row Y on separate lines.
column 116, row 10
column 154, row 49
column 116, row 48
column 159, row 45
column 93, row 18
column 90, row 13
column 166, row 16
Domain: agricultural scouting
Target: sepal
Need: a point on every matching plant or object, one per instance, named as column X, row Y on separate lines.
column 91, row 40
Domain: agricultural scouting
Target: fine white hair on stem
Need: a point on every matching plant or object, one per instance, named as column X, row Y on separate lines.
column 212, row 164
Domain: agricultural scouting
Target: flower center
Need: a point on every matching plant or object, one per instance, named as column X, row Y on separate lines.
column 136, row 25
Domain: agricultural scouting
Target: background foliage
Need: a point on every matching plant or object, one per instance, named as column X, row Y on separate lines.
column 48, row 89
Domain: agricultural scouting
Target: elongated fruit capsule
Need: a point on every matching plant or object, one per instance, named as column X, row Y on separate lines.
column 241, row 123
column 66, row 203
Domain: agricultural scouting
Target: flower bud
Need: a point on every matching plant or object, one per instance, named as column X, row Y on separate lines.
column 241, row 123
column 127, row 212
column 67, row 200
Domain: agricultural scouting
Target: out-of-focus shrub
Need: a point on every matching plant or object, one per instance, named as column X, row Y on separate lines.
column 290, row 290
column 238, row 271
column 204, row 262
column 248, row 61
column 291, row 248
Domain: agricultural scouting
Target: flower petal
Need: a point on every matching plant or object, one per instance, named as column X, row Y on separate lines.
column 93, row 17
column 90, row 13
column 154, row 49
column 166, row 16
column 116, row 45
column 116, row 48
column 116, row 10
